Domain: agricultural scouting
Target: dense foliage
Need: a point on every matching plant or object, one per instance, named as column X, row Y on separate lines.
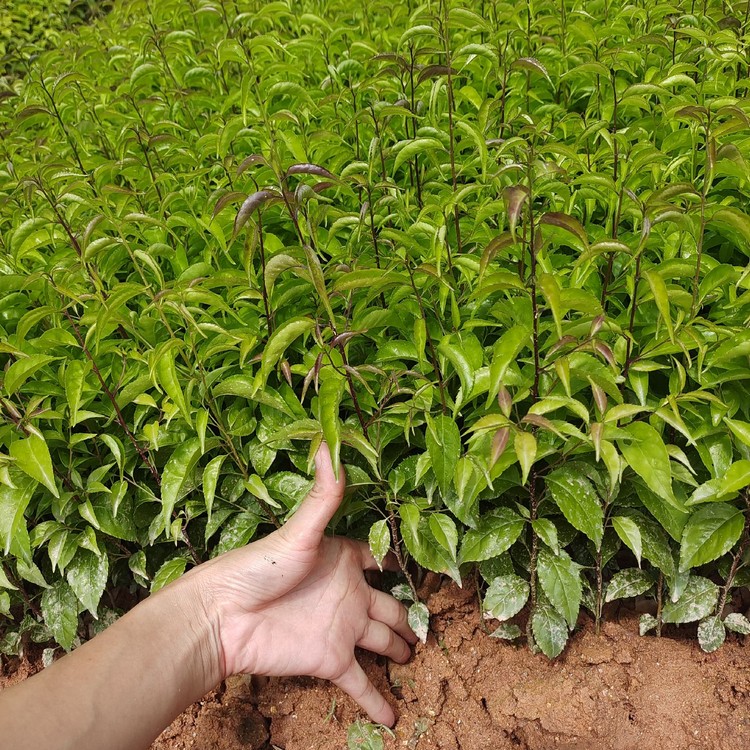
column 494, row 254
column 27, row 27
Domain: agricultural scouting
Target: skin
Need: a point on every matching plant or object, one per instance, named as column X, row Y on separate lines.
column 295, row 602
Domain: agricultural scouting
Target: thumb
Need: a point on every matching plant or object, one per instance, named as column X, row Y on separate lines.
column 317, row 509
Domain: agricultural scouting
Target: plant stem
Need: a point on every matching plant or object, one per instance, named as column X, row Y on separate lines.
column 599, row 590
column 534, row 506
column 396, row 537
column 736, row 560
column 433, row 353
column 32, row 605
column 659, row 602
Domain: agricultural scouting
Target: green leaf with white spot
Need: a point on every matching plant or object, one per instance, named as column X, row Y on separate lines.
column 737, row 623
column 379, row 539
column 170, row 571
column 362, row 735
column 87, row 576
column 628, row 583
column 59, row 607
column 550, row 630
column 697, row 601
column 711, row 634
column 419, row 620
column 494, row 534
column 505, row 597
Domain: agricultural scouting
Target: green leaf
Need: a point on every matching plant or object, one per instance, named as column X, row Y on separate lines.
column 495, row 533
column 170, row 571
column 329, row 399
column 444, row 531
column 576, row 498
column 655, row 544
column 561, row 581
column 75, row 379
column 741, row 430
column 278, row 343
column 671, row 518
column 176, row 472
column 456, row 356
column 236, row 532
column 627, row 529
column 711, row 634
column 21, row 370
column 525, row 446
column 462, row 501
column 505, row 597
column 255, row 486
column 419, row 620
column 379, row 539
column 725, row 487
column 13, row 504
column 60, row 611
column 422, row 545
column 710, row 533
column 137, row 564
column 551, row 290
column 318, row 280
column 414, row 148
column 628, row 583
column 661, row 297
column 506, row 350
column 210, row 478
column 444, row 448
column 547, row 532
column 362, row 735
column 647, row 455
column 550, row 630
column 115, row 446
column 354, row 438
column 697, row 601
column 166, row 372
column 87, row 576
column 32, row 457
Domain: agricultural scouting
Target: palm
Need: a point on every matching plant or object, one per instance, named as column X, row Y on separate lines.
column 305, row 598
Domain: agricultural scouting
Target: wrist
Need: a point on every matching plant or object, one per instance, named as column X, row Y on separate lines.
column 189, row 600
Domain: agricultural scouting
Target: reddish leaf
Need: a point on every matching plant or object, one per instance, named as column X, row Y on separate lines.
column 532, row 64
column 514, row 197
column 434, row 71
column 225, row 200
column 495, row 245
column 249, row 162
column 568, row 223
column 253, row 202
column 504, row 400
column 313, row 169
column 499, row 443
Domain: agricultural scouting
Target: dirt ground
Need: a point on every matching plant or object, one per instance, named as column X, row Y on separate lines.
column 463, row 690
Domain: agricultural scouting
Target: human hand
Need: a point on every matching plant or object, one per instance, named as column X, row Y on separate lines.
column 297, row 602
